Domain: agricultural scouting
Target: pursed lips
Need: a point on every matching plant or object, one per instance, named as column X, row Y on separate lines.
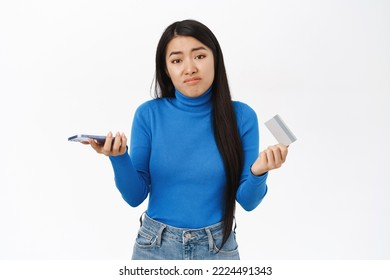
column 192, row 80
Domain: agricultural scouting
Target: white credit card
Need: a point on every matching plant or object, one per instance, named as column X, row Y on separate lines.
column 280, row 131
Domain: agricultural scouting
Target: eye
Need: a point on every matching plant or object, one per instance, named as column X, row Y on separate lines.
column 175, row 61
column 200, row 56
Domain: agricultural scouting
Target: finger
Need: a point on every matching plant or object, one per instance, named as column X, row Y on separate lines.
column 117, row 144
column 107, row 144
column 264, row 160
column 277, row 153
column 94, row 145
column 270, row 158
column 283, row 151
column 123, row 144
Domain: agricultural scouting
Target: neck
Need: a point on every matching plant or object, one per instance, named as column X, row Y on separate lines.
column 200, row 103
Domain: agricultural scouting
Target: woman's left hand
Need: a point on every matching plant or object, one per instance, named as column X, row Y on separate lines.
column 271, row 158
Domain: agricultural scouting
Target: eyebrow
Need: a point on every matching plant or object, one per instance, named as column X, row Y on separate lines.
column 193, row 50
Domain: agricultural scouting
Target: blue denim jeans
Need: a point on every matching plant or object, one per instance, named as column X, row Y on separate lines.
column 157, row 241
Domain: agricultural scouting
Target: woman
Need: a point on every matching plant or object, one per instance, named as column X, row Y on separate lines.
column 193, row 151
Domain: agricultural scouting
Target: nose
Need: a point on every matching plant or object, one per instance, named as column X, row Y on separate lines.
column 190, row 67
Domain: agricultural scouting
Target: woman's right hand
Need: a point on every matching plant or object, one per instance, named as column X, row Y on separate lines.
column 111, row 147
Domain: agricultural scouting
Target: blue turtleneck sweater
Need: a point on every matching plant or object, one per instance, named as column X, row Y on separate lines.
column 173, row 158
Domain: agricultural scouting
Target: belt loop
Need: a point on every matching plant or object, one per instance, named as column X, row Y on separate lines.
column 211, row 240
column 159, row 235
column 235, row 224
column 140, row 219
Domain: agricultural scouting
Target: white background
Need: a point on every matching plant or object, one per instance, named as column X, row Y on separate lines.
column 80, row 66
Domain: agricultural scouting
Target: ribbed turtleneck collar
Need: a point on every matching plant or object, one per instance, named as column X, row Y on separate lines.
column 193, row 104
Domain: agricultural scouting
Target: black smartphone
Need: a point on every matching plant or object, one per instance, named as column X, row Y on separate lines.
column 84, row 138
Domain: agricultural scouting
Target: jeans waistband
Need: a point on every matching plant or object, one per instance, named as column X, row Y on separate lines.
column 183, row 235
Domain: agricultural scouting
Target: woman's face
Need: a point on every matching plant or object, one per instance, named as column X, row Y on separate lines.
column 190, row 65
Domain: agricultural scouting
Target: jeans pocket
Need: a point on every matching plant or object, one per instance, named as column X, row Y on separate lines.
column 145, row 239
column 230, row 247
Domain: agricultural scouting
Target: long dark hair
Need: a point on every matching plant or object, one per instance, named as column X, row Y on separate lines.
column 224, row 119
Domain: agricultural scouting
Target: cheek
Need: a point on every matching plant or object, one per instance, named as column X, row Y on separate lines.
column 172, row 75
column 169, row 69
column 212, row 74
column 211, row 69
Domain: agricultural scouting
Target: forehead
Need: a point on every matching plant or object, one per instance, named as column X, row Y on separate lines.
column 184, row 44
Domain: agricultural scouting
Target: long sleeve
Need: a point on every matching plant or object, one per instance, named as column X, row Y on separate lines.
column 131, row 170
column 252, row 189
column 174, row 162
